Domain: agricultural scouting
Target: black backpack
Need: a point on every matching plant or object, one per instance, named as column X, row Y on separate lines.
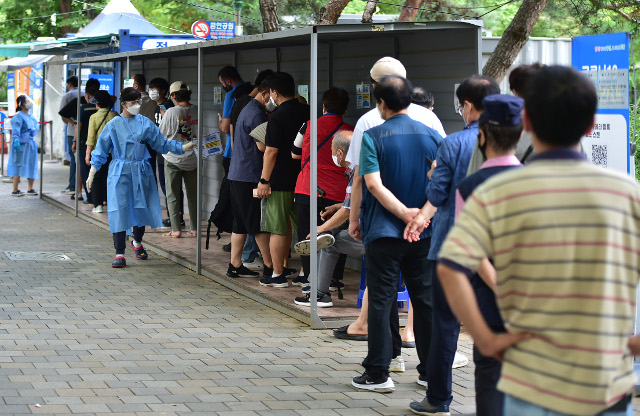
column 222, row 215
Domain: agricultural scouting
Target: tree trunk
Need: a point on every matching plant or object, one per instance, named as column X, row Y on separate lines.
column 513, row 39
column 65, row 7
column 369, row 10
column 410, row 11
column 332, row 11
column 269, row 11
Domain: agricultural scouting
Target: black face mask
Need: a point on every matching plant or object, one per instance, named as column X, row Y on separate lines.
column 482, row 147
column 227, row 88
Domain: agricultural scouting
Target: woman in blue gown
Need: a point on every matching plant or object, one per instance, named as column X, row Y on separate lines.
column 23, row 159
column 132, row 193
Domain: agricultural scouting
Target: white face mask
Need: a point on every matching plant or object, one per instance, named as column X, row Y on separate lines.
column 154, row 94
column 134, row 109
column 271, row 105
column 335, row 160
column 28, row 105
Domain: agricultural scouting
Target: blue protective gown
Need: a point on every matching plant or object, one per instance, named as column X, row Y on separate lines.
column 132, row 194
column 24, row 162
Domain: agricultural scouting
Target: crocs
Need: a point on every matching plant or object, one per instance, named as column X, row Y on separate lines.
column 119, row 263
column 140, row 252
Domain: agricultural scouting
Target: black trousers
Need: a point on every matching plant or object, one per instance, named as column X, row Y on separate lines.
column 489, row 400
column 303, row 209
column 119, row 239
column 84, row 172
column 99, row 186
column 384, row 258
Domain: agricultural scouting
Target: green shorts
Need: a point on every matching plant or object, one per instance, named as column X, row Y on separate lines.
column 277, row 212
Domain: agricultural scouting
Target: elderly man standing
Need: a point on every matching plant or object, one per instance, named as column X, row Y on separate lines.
column 393, row 163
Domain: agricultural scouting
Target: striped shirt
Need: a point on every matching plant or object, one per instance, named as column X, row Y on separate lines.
column 565, row 239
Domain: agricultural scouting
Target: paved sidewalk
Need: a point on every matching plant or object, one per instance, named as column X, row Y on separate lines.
column 78, row 337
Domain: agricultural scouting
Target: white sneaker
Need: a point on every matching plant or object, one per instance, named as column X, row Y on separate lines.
column 460, row 360
column 254, row 265
column 98, row 209
column 304, row 247
column 397, row 365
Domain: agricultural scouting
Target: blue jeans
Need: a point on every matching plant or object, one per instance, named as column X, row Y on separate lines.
column 250, row 249
column 513, row 406
column 72, row 165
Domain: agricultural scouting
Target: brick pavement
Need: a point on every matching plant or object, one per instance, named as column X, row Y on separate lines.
column 154, row 338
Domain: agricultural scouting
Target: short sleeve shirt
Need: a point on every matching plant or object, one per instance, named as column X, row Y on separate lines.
column 282, row 129
column 246, row 163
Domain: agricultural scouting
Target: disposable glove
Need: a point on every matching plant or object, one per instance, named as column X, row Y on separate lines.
column 188, row 146
column 92, row 173
column 16, row 144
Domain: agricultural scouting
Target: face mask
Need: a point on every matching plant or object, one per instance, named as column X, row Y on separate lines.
column 335, row 160
column 154, row 94
column 379, row 112
column 134, row 109
column 227, row 88
column 271, row 105
column 482, row 148
column 93, row 100
column 28, row 105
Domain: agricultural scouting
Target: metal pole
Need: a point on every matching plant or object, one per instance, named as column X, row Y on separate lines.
column 316, row 322
column 200, row 170
column 42, row 107
column 128, row 67
column 4, row 141
column 77, row 154
column 51, row 141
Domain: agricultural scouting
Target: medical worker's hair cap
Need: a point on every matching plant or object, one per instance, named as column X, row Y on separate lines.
column 130, row 94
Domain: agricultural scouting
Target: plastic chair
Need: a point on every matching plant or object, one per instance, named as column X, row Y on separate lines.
column 403, row 294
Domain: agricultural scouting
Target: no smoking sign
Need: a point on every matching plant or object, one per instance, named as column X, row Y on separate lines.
column 201, row 29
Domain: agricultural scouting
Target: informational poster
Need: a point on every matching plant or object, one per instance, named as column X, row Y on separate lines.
column 363, row 96
column 303, row 91
column 605, row 60
column 217, row 95
column 11, row 92
column 211, row 145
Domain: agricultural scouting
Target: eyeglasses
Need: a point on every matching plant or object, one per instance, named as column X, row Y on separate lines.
column 130, row 103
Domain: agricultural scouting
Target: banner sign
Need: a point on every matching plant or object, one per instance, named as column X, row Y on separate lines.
column 605, row 60
column 213, row 30
column 155, row 43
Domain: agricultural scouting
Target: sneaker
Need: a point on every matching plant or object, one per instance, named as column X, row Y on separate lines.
column 427, row 409
column 422, row 380
column 397, row 365
column 460, row 360
column 254, row 265
column 166, row 223
column 306, row 290
column 119, row 263
column 140, row 252
column 87, row 202
column 279, row 281
column 98, row 210
column 300, row 281
column 287, row 272
column 31, row 193
column 304, row 247
column 324, row 301
column 240, row 272
column 226, row 248
column 267, row 271
column 380, row 384
column 68, row 191
column 73, row 197
column 334, row 286
column 17, row 193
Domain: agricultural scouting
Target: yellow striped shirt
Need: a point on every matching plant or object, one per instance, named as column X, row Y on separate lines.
column 565, row 239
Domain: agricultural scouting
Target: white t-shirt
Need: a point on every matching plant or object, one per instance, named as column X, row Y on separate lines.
column 66, row 99
column 181, row 124
column 372, row 119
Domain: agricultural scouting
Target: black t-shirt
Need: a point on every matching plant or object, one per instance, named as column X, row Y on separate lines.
column 86, row 111
column 167, row 104
column 281, row 132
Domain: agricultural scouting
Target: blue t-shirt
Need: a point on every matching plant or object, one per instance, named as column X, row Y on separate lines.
column 229, row 99
column 397, row 149
column 246, row 163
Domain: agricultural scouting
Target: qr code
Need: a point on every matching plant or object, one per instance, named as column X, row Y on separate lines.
column 599, row 155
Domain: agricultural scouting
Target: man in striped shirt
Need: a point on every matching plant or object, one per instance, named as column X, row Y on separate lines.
column 564, row 237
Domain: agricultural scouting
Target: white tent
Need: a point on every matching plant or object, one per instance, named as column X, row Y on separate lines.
column 119, row 14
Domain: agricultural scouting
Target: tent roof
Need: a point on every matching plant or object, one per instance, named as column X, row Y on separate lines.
column 14, row 64
column 119, row 14
column 63, row 46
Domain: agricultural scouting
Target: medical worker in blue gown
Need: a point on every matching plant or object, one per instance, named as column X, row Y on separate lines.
column 132, row 194
column 23, row 159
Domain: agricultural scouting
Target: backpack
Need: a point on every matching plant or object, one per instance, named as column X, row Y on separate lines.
column 221, row 216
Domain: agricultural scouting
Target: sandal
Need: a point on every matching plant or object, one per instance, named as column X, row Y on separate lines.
column 119, row 263
column 170, row 235
column 140, row 252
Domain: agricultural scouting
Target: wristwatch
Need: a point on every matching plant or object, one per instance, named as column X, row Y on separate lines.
column 264, row 181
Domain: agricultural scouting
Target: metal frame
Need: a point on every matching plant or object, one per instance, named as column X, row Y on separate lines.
column 310, row 36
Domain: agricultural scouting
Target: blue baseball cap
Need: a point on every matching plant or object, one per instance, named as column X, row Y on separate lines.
column 502, row 110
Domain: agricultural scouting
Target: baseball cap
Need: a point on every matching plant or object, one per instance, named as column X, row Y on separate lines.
column 387, row 66
column 177, row 86
column 502, row 110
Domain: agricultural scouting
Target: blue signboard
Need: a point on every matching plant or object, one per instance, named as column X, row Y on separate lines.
column 605, row 60
column 106, row 81
column 222, row 30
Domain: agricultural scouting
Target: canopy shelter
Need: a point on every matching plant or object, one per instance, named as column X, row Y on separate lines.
column 64, row 46
column 117, row 15
column 437, row 56
column 13, row 64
